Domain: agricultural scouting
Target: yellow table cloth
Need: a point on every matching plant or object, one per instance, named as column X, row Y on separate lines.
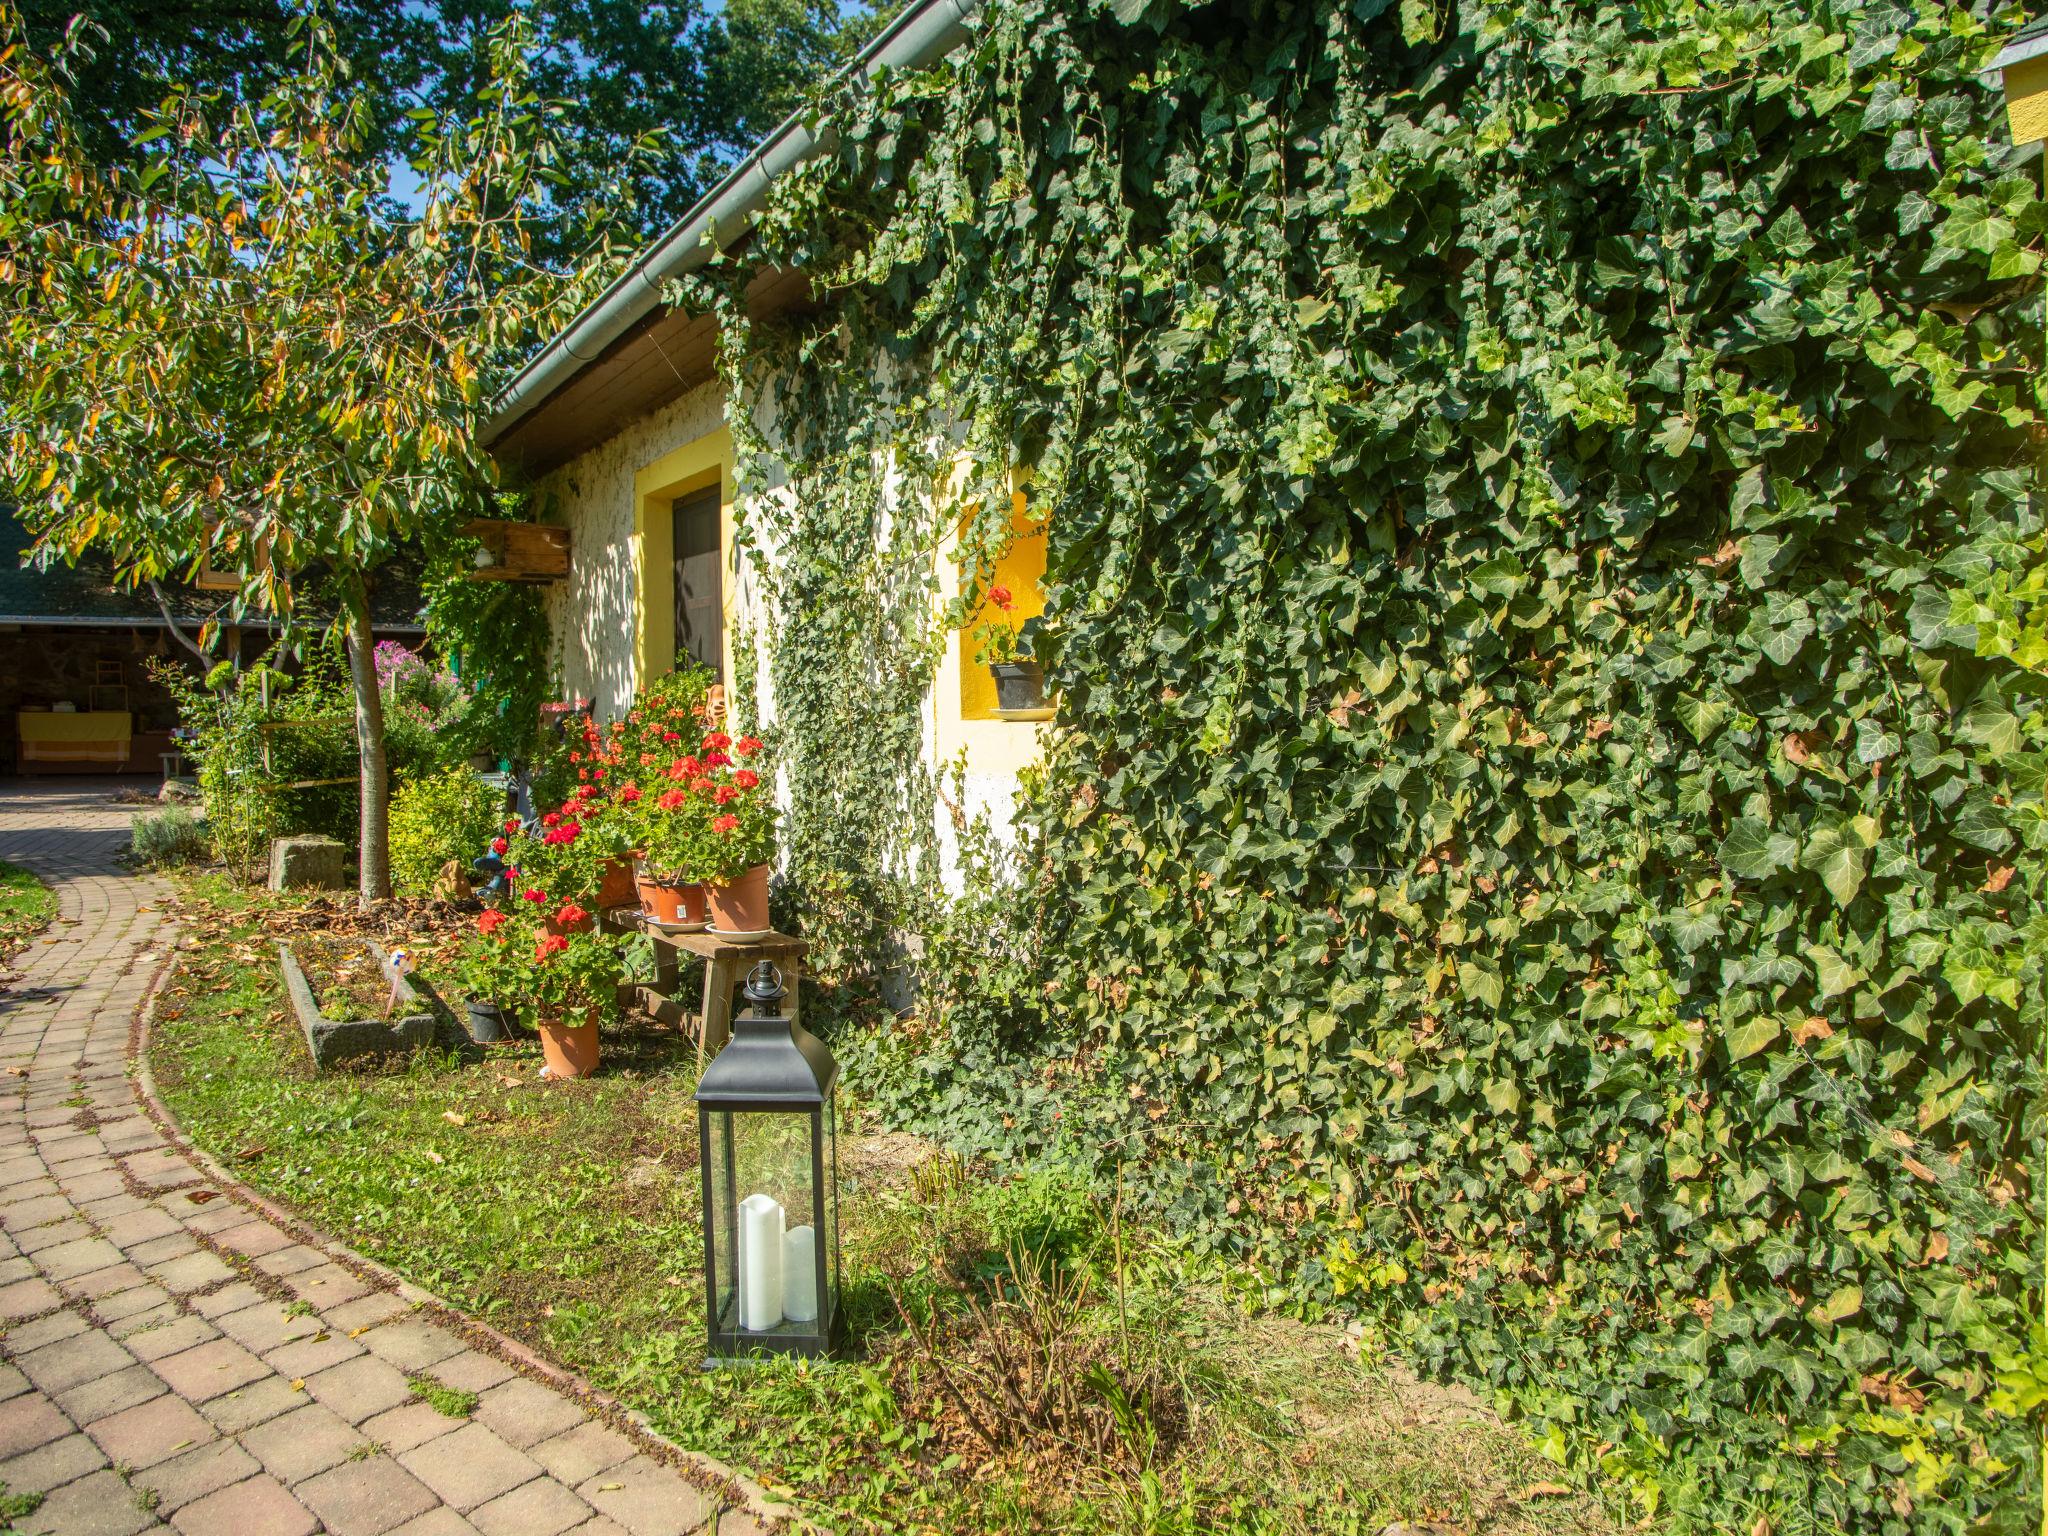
column 86, row 736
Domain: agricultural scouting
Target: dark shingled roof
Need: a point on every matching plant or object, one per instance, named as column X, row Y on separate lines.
column 86, row 593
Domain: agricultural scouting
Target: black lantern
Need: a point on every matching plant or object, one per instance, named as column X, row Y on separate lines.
column 770, row 1164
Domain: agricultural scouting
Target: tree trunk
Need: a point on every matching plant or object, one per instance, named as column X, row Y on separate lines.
column 374, row 847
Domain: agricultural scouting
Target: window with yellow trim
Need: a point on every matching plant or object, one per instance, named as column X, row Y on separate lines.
column 1006, row 595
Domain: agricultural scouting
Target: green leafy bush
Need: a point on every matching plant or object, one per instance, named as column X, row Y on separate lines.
column 452, row 814
column 168, row 839
column 276, row 752
column 1532, row 848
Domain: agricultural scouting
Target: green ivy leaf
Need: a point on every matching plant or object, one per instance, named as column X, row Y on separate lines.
column 1754, row 850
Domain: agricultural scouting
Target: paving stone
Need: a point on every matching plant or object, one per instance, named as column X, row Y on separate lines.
column 99, row 1504
column 649, row 1499
column 398, row 1430
column 600, row 1527
column 175, row 1333
column 437, row 1522
column 37, row 1332
column 470, row 1467
column 308, row 1440
column 172, row 1245
column 413, row 1344
column 28, row 1298
column 12, row 1382
column 327, row 1285
column 367, row 1311
column 526, row 1413
column 81, row 1256
column 312, row 1355
column 110, row 1394
column 542, row 1508
column 256, row 1504
column 143, row 1436
column 583, row 1452
column 253, row 1239
column 192, row 1272
column 234, row 1412
column 472, row 1371
column 133, row 1302
column 291, row 1261
column 196, row 1473
column 229, row 1298
column 367, row 1497
column 73, row 1361
column 102, row 1282
column 52, row 1466
column 265, row 1326
column 361, row 1388
column 213, row 1368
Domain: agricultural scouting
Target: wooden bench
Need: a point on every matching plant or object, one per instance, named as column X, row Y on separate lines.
column 726, row 963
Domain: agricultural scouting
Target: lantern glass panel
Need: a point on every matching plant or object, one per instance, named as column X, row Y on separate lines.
column 766, row 1246
column 829, row 1206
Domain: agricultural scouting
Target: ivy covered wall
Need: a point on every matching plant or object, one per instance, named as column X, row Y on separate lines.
column 1543, row 842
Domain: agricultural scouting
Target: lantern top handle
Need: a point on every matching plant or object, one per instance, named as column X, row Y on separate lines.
column 764, row 989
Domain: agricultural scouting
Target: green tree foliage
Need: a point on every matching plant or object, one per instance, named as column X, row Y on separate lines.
column 1533, row 847
column 709, row 80
column 232, row 357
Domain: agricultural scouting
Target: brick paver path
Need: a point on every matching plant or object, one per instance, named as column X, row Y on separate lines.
column 191, row 1366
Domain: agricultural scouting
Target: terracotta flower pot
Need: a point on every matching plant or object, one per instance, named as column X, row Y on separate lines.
column 658, row 899
column 742, row 906
column 690, row 905
column 617, row 890
column 570, row 1049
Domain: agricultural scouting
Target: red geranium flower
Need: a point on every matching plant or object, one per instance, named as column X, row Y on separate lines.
column 550, row 944
column 680, row 770
column 575, row 757
column 690, row 766
column 629, row 794
column 725, row 794
column 491, row 921
column 1000, row 596
column 700, row 786
column 671, row 736
column 499, row 845
column 534, row 894
column 552, row 818
column 646, row 759
column 717, row 741
column 570, row 914
column 725, row 824
column 511, row 824
column 746, row 778
column 747, row 746
column 717, row 760
column 672, row 800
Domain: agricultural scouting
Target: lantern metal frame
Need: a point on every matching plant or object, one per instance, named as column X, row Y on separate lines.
column 770, row 1066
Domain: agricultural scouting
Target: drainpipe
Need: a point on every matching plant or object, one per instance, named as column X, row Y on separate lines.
column 921, row 35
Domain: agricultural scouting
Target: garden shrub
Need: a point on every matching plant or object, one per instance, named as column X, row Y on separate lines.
column 452, row 814
column 168, row 839
column 276, row 752
column 1544, row 836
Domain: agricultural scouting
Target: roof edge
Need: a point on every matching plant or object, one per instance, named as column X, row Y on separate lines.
column 924, row 33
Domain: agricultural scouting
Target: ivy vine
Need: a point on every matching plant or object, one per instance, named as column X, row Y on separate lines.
column 1544, row 837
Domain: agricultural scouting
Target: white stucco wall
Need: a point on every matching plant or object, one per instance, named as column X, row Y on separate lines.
column 592, row 614
column 594, row 620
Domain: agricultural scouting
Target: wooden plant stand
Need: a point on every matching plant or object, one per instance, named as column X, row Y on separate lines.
column 726, row 962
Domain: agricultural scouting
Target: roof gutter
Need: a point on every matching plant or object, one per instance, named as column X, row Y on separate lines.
column 925, row 32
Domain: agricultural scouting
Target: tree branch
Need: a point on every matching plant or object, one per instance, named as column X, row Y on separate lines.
column 171, row 624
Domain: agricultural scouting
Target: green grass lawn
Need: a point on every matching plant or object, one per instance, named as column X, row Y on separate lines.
column 1127, row 1393
column 26, row 907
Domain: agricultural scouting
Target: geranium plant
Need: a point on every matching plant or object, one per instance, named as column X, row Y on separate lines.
column 737, row 797
column 1002, row 639
column 537, row 976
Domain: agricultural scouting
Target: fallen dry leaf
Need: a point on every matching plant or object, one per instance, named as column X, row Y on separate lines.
column 298, row 1383
column 1815, row 1028
column 357, row 1333
column 1545, row 1491
column 436, row 1158
column 454, row 1118
column 1919, row 1170
column 201, row 1196
column 250, row 1154
column 1937, row 1248
column 1998, row 875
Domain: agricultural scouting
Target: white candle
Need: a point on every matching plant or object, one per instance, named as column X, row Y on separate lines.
column 800, row 1275
column 760, row 1259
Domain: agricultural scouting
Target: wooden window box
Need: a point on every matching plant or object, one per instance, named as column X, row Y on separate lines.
column 528, row 552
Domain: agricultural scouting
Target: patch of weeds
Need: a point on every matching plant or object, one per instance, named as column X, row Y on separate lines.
column 299, row 1308
column 147, row 1499
column 18, row 1506
column 449, row 1402
column 365, row 1451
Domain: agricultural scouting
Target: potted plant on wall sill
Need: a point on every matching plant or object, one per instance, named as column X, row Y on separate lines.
column 732, row 838
column 673, row 822
column 1004, row 647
